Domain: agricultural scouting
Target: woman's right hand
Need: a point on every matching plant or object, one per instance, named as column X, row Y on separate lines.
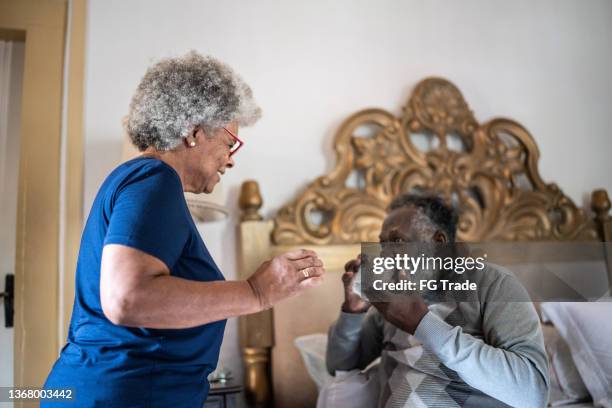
column 353, row 303
column 286, row 275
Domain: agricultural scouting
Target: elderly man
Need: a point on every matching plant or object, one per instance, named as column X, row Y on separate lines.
column 448, row 354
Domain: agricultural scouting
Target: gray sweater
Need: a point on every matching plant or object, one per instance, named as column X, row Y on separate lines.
column 487, row 353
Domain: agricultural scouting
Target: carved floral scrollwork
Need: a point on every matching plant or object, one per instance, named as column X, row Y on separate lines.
column 493, row 180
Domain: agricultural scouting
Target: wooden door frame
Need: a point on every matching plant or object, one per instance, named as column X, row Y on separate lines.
column 40, row 321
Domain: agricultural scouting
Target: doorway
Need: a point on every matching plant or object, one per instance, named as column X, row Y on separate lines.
column 49, row 187
column 11, row 76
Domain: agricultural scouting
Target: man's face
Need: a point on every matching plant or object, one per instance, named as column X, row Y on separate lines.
column 409, row 226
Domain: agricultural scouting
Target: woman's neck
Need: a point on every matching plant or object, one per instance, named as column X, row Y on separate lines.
column 171, row 158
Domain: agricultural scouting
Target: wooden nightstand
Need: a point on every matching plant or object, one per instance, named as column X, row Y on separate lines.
column 223, row 394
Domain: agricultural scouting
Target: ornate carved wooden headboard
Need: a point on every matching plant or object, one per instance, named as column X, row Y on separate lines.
column 488, row 171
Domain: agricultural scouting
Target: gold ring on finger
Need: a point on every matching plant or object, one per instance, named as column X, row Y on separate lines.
column 306, row 274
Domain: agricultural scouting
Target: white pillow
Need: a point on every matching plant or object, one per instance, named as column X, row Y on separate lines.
column 566, row 385
column 312, row 348
column 354, row 389
column 586, row 327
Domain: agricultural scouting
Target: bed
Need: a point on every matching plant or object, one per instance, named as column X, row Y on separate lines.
column 489, row 171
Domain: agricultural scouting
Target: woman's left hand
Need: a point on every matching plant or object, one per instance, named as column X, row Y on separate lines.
column 286, row 275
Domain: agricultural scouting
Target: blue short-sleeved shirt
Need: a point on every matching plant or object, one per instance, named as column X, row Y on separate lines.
column 140, row 205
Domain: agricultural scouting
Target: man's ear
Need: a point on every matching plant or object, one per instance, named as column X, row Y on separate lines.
column 440, row 237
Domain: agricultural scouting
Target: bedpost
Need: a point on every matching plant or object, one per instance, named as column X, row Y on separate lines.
column 256, row 338
column 600, row 204
column 250, row 201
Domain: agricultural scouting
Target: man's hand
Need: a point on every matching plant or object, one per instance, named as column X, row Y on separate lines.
column 353, row 303
column 286, row 275
column 402, row 311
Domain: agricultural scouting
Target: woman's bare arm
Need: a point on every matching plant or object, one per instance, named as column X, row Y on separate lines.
column 136, row 289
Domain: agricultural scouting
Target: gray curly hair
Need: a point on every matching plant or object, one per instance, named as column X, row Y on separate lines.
column 177, row 94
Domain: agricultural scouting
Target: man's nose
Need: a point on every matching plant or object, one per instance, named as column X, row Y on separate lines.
column 230, row 162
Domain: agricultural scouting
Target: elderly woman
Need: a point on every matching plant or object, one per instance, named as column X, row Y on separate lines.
column 151, row 303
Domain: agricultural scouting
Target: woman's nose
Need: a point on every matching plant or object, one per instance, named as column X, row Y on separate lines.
column 230, row 162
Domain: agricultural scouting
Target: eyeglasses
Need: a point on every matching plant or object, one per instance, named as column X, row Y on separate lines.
column 237, row 142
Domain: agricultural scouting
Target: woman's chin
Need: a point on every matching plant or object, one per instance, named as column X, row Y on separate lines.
column 209, row 188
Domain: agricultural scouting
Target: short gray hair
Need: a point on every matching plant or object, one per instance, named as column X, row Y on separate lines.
column 177, row 94
column 442, row 215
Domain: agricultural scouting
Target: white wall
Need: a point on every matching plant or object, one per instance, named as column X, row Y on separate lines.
column 311, row 64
